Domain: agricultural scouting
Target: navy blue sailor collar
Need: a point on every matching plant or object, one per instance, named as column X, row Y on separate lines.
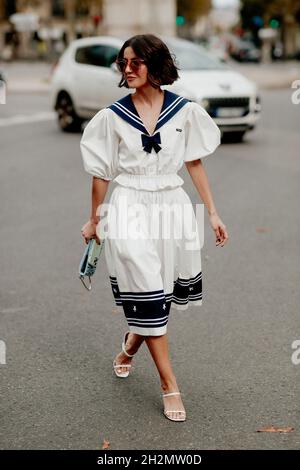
column 125, row 108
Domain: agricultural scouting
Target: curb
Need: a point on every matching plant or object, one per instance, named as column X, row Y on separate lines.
column 44, row 85
column 41, row 86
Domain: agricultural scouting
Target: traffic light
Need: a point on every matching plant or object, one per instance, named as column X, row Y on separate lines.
column 180, row 20
column 258, row 21
column 275, row 22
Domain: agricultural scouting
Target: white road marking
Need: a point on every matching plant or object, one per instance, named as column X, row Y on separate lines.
column 13, row 309
column 25, row 119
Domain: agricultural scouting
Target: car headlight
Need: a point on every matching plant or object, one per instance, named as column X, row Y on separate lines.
column 257, row 108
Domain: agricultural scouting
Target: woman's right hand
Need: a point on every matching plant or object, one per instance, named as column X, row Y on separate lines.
column 220, row 229
column 88, row 231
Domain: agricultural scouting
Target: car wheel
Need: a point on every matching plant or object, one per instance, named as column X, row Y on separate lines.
column 236, row 136
column 68, row 120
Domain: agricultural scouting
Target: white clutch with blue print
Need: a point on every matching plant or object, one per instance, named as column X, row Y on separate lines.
column 89, row 260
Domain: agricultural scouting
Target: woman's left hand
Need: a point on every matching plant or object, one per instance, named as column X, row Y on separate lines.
column 219, row 228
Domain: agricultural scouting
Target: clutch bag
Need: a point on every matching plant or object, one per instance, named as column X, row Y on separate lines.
column 89, row 260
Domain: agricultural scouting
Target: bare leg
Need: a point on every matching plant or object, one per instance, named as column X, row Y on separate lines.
column 132, row 345
column 158, row 347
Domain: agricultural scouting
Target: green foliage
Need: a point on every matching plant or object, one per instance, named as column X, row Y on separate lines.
column 268, row 9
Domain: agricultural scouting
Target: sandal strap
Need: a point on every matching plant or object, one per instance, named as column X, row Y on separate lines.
column 123, row 345
column 175, row 411
column 171, row 393
column 125, row 352
column 122, row 365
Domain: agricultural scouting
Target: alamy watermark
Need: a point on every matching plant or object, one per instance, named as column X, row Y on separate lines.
column 295, row 358
column 135, row 221
column 2, row 92
column 2, row 352
column 296, row 95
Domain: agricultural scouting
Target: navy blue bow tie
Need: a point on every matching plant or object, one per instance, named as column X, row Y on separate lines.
column 151, row 141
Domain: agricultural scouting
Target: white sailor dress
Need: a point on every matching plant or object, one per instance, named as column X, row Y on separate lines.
column 150, row 269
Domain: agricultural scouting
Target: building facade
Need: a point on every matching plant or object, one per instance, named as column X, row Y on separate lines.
column 60, row 21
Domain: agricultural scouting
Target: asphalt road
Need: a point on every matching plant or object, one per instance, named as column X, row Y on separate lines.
column 232, row 356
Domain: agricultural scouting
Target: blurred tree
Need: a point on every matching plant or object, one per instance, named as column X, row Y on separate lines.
column 252, row 17
column 86, row 7
column 23, row 4
column 272, row 13
column 82, row 7
column 282, row 7
column 8, row 8
column 75, row 8
column 58, row 8
column 192, row 9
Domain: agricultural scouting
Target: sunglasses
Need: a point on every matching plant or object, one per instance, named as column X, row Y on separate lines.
column 134, row 63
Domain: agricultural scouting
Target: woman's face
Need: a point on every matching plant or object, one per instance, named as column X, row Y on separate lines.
column 135, row 76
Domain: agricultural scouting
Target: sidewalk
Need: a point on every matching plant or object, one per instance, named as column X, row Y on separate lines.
column 27, row 77
column 34, row 77
column 270, row 76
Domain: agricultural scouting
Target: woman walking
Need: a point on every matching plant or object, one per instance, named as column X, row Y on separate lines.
column 141, row 141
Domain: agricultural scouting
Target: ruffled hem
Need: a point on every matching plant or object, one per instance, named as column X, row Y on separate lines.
column 149, row 182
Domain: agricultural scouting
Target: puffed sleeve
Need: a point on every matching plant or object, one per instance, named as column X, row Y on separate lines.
column 202, row 134
column 99, row 146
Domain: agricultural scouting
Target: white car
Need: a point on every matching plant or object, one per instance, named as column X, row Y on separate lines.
column 86, row 79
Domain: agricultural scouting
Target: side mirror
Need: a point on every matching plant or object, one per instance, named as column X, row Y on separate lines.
column 114, row 67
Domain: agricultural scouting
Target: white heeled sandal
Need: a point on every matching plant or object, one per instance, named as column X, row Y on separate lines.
column 173, row 411
column 118, row 366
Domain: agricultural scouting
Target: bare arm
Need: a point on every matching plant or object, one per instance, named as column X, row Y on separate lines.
column 99, row 189
column 200, row 180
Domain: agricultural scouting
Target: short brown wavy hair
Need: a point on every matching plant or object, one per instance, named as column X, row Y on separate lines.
column 161, row 64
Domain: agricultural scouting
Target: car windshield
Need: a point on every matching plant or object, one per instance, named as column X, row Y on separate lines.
column 190, row 56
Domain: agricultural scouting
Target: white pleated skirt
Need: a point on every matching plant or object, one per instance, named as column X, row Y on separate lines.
column 153, row 255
